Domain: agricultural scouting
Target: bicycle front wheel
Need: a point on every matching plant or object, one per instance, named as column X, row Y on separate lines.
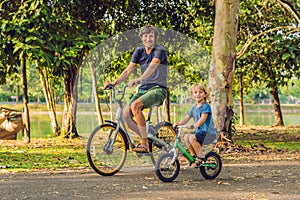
column 107, row 150
column 165, row 169
column 165, row 132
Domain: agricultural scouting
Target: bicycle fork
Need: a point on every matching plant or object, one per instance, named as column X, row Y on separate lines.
column 109, row 143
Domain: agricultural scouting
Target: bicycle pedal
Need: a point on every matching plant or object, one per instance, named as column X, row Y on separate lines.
column 158, row 145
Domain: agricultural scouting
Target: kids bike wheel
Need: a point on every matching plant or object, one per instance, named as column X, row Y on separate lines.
column 165, row 169
column 165, row 132
column 212, row 166
column 105, row 157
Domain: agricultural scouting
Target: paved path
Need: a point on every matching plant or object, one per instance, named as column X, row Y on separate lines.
column 280, row 180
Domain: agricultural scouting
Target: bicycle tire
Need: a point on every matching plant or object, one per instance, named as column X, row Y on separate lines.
column 165, row 170
column 165, row 132
column 212, row 166
column 106, row 162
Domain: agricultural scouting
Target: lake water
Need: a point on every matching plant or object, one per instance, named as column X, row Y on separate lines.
column 86, row 122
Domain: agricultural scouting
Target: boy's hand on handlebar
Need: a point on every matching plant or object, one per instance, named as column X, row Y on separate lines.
column 191, row 126
column 175, row 125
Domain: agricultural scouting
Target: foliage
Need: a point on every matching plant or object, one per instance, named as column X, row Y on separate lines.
column 273, row 58
column 58, row 35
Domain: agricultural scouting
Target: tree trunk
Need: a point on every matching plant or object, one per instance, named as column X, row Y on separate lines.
column 223, row 61
column 95, row 91
column 242, row 113
column 70, row 102
column 278, row 121
column 50, row 101
column 25, row 102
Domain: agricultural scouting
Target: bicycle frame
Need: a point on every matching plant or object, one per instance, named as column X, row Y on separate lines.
column 180, row 147
column 120, row 124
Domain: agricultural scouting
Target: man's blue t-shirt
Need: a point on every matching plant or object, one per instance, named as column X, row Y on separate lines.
column 196, row 113
column 159, row 76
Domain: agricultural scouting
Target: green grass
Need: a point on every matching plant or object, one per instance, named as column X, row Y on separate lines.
column 42, row 155
column 284, row 138
column 57, row 153
column 288, row 146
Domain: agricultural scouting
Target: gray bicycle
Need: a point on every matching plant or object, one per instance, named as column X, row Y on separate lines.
column 109, row 143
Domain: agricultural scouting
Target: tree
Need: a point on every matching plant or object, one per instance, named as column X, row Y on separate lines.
column 223, row 62
column 18, row 32
column 271, row 43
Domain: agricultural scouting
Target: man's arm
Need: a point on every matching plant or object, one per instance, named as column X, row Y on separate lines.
column 151, row 68
column 124, row 75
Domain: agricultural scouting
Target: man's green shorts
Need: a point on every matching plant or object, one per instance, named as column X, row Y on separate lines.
column 153, row 96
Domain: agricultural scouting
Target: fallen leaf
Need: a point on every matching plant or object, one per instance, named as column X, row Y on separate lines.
column 223, row 183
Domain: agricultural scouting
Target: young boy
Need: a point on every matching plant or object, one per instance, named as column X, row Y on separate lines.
column 203, row 125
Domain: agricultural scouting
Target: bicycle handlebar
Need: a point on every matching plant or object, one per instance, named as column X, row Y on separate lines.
column 112, row 87
column 181, row 126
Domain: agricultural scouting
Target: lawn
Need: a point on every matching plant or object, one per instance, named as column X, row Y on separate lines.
column 281, row 143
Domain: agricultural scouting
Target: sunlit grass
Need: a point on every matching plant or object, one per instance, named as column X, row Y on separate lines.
column 288, row 146
column 28, row 157
column 58, row 153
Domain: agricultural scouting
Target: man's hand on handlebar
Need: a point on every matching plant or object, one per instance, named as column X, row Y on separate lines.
column 107, row 85
column 133, row 82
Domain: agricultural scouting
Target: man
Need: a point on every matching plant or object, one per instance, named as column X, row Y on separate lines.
column 152, row 59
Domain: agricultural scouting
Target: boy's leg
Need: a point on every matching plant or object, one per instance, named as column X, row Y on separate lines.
column 197, row 147
column 197, row 142
column 189, row 144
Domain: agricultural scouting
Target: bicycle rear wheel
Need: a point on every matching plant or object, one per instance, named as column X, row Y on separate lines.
column 104, row 157
column 212, row 166
column 165, row 132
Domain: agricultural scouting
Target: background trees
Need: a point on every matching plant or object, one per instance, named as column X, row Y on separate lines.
column 54, row 37
column 269, row 47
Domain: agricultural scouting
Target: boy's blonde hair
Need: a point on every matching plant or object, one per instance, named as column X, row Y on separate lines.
column 202, row 88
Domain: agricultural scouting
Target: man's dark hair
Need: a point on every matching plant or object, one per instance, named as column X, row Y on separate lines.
column 149, row 29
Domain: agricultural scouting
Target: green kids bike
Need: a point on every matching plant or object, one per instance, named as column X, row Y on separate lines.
column 167, row 166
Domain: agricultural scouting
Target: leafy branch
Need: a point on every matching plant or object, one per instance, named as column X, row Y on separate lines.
column 249, row 41
column 288, row 7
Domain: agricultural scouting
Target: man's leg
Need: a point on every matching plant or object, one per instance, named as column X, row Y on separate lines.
column 136, row 108
column 145, row 100
column 130, row 122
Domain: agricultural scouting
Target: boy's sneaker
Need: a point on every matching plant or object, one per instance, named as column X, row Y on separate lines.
column 198, row 162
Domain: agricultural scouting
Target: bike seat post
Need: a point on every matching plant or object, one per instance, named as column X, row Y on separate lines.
column 148, row 121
